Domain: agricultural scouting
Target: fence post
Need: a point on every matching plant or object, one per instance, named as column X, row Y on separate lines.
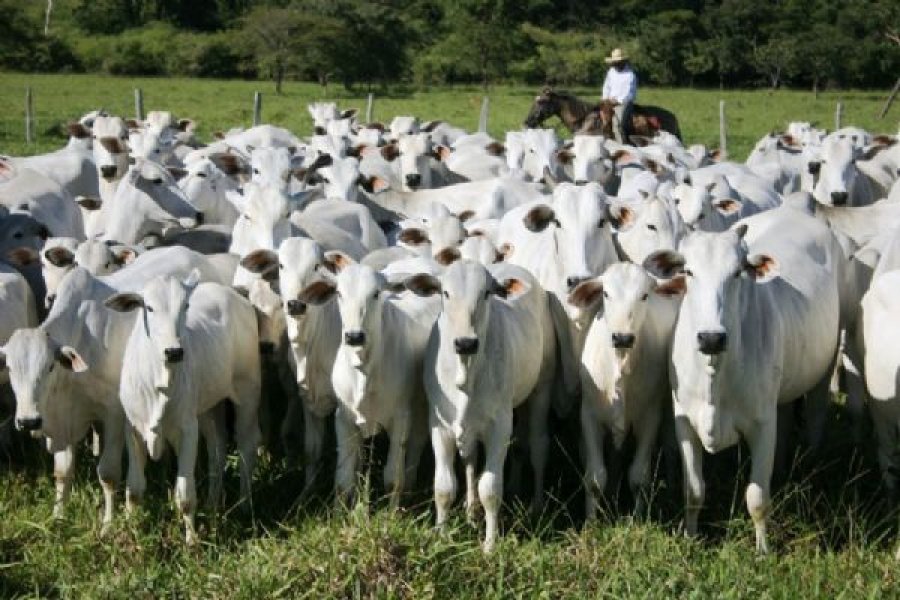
column 369, row 107
column 29, row 116
column 138, row 104
column 723, row 130
column 838, row 113
column 257, row 108
column 483, row 117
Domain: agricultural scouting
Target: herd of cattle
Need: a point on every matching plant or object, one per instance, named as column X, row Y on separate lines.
column 429, row 283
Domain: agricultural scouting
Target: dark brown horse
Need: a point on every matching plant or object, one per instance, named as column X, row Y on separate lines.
column 588, row 118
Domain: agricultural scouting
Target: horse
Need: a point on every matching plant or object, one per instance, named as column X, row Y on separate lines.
column 596, row 119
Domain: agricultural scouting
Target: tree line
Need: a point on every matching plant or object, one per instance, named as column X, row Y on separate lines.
column 729, row 43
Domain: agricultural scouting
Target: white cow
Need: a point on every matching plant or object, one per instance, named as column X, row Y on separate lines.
column 169, row 383
column 644, row 226
column 33, row 193
column 377, row 375
column 491, row 350
column 206, row 187
column 840, row 182
column 624, row 374
column 755, row 330
column 60, row 255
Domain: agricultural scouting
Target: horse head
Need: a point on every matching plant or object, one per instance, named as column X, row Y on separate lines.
column 546, row 104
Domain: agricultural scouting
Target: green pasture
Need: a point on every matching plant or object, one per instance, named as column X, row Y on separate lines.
column 219, row 105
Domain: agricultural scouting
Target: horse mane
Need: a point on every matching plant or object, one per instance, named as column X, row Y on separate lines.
column 578, row 108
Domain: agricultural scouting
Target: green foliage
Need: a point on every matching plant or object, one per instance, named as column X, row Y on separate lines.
column 565, row 59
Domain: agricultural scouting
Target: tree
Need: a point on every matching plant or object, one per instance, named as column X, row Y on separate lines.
column 776, row 58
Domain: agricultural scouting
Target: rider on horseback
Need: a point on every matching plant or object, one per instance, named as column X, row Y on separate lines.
column 620, row 85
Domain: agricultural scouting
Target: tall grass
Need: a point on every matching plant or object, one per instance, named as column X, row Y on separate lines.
column 219, row 105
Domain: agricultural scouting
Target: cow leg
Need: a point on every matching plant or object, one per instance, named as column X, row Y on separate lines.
column 692, row 465
column 137, row 459
column 886, row 429
column 816, row 403
column 444, row 448
column 471, row 465
column 395, row 466
column 109, row 469
column 490, row 484
column 857, row 394
column 213, row 432
column 762, row 456
column 291, row 429
column 418, row 437
column 185, row 486
column 63, row 464
column 349, row 443
column 248, row 436
column 594, row 466
column 313, row 442
column 645, row 433
column 538, row 443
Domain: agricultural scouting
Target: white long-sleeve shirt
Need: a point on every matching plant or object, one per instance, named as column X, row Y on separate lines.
column 620, row 85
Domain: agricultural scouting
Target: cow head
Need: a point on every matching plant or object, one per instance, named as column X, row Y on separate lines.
column 110, row 147
column 838, row 171
column 264, row 217
column 591, row 160
column 646, row 226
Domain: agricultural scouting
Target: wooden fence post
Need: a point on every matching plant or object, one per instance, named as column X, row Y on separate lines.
column 257, row 109
column 838, row 113
column 483, row 117
column 138, row 104
column 29, row 116
column 723, row 130
column 369, row 107
column 890, row 100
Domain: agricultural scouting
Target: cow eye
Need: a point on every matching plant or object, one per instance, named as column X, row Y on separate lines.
column 156, row 181
column 280, row 265
column 700, row 216
column 651, row 226
column 149, row 309
column 375, row 295
column 201, row 175
column 644, row 297
column 446, row 295
column 601, row 223
column 246, row 216
column 688, row 272
column 605, row 295
column 18, row 235
column 256, row 171
column 326, row 180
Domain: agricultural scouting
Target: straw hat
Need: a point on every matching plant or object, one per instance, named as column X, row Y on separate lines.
column 618, row 55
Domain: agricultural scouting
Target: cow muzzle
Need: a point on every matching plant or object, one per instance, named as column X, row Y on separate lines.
column 466, row 346
column 295, row 308
column 581, row 182
column 267, row 348
column 712, row 342
column 29, row 424
column 355, row 338
column 839, row 198
column 108, row 172
column 413, row 180
column 622, row 341
column 174, row 355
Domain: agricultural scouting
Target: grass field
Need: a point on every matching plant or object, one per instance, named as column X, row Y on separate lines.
column 223, row 104
column 833, row 533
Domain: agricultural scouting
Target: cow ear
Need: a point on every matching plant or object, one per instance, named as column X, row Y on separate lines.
column 511, row 288
column 390, row 151
column 177, row 172
column 89, row 202
column 124, row 255
column 586, row 294
column 447, row 256
column 620, row 217
column 413, row 236
column 430, row 126
column 349, row 113
column 77, row 130
column 124, row 301
column 622, row 157
column 505, row 250
column 565, row 156
column 465, row 215
column 423, row 284
column 59, row 256
column 69, row 358
column 317, row 293
column 192, row 279
column 374, row 184
column 441, row 152
column 761, row 267
column 186, row 125
column 672, row 287
column 539, row 217
column 22, row 256
column 740, row 230
column 336, row 261
column 230, row 164
column 495, row 149
column 260, row 261
column 728, row 206
column 664, row 264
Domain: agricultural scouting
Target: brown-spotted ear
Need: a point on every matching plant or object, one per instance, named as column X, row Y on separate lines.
column 375, row 125
column 423, row 284
column 761, row 267
column 441, row 152
column 177, row 172
column 788, row 140
column 622, row 157
column 447, row 256
column 132, row 124
column 59, row 256
column 506, row 249
column 124, row 301
column 586, row 294
column 23, row 256
column 186, row 124
column 430, row 126
column 672, row 287
column 664, row 264
column 717, row 155
column 349, row 113
column 317, row 293
column 511, row 288
column 728, row 206
column 539, row 217
column 465, row 215
column 653, row 166
column 373, row 184
column 261, row 262
column 230, row 164
column 219, row 135
column 336, row 261
column 620, row 217
column 565, row 156
column 77, row 130
column 89, row 202
column 413, row 236
column 69, row 358
column 495, row 149
column 390, row 151
column 124, row 256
